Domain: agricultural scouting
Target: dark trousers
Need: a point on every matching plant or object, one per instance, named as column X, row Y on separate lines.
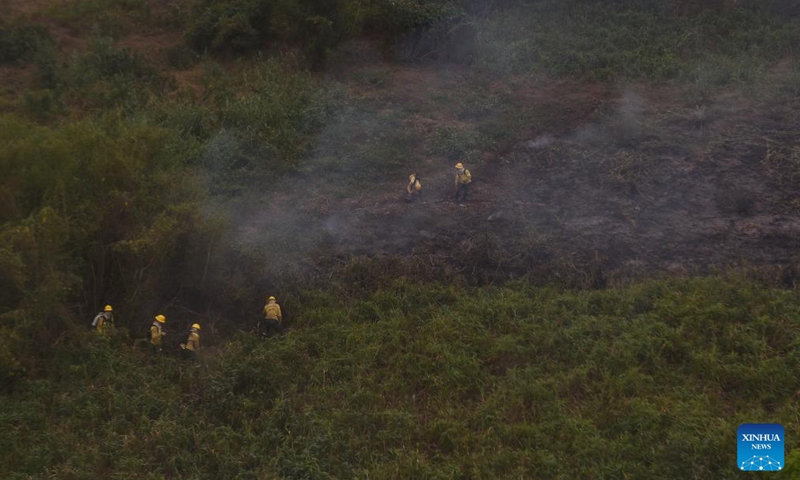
column 188, row 354
column 461, row 191
column 271, row 327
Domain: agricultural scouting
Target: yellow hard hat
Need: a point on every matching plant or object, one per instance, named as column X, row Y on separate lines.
column 108, row 308
column 459, row 165
column 161, row 319
column 271, row 298
column 196, row 325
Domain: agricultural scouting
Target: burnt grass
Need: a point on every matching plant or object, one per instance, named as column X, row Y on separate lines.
column 649, row 181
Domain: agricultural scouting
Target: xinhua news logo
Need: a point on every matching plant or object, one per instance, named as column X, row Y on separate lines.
column 760, row 447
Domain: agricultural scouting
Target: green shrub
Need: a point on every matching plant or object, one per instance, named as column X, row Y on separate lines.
column 180, row 57
column 107, row 78
column 455, row 142
column 237, row 25
column 41, row 103
column 104, row 61
column 22, row 40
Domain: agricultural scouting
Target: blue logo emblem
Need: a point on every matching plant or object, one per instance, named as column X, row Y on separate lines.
column 760, row 447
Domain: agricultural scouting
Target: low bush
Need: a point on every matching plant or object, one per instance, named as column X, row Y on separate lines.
column 21, row 40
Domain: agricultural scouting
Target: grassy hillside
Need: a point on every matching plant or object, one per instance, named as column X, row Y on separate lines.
column 189, row 157
column 433, row 381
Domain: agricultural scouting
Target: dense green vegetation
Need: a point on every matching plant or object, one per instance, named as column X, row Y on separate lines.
column 122, row 185
column 429, row 381
column 594, row 41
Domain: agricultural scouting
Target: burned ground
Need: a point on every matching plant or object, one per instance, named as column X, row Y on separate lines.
column 629, row 180
column 574, row 179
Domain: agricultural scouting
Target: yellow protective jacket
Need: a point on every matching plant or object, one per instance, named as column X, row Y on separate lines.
column 99, row 322
column 413, row 185
column 273, row 310
column 463, row 177
column 193, row 343
column 156, row 334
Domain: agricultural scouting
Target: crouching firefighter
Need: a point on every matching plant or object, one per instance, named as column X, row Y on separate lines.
column 192, row 345
column 272, row 318
column 103, row 319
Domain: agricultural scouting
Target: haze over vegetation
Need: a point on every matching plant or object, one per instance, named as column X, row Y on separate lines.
column 615, row 298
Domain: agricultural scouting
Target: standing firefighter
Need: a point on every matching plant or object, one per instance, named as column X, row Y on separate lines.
column 157, row 334
column 414, row 188
column 272, row 317
column 103, row 319
column 463, row 179
column 192, row 345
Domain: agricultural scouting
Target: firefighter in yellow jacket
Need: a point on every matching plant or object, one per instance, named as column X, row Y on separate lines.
column 463, row 179
column 272, row 317
column 192, row 345
column 414, row 188
column 157, row 334
column 103, row 319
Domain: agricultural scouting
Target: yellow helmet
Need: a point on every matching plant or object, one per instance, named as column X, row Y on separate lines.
column 459, row 165
column 108, row 308
column 161, row 319
column 196, row 325
column 271, row 298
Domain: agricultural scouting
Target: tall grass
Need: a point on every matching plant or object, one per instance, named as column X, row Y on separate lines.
column 430, row 381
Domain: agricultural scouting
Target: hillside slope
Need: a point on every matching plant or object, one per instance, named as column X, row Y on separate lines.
column 648, row 381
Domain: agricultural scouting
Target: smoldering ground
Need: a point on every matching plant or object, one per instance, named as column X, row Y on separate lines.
column 636, row 177
column 643, row 186
column 638, row 186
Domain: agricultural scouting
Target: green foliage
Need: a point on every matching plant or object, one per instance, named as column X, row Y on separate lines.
column 83, row 195
column 103, row 78
column 419, row 30
column 280, row 109
column 21, row 41
column 239, row 25
column 413, row 28
column 41, row 103
column 245, row 25
column 104, row 61
column 455, row 142
column 135, row 204
column 594, row 41
column 180, row 57
column 432, row 381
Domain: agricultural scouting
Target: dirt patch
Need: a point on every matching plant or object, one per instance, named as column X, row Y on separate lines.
column 15, row 8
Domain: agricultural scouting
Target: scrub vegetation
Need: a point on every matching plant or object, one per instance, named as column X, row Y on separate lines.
column 617, row 296
column 429, row 381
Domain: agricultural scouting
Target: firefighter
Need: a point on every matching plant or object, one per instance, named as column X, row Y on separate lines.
column 463, row 179
column 272, row 317
column 104, row 319
column 414, row 188
column 192, row 345
column 157, row 334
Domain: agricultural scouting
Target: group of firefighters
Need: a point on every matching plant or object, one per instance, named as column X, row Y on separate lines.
column 272, row 317
column 270, row 324
column 462, row 180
